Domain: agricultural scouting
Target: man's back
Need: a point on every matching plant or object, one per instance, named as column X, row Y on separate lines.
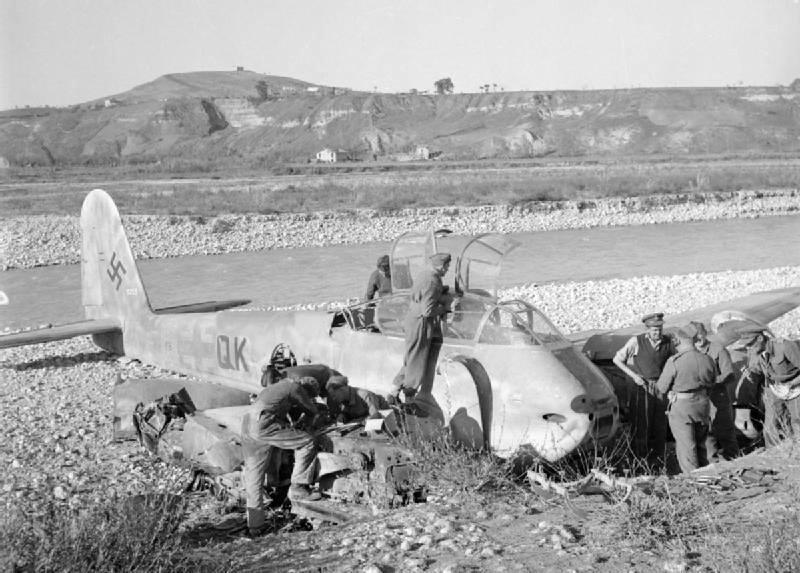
column 275, row 401
column 693, row 370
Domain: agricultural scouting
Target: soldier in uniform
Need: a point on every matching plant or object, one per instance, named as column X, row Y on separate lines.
column 267, row 425
column 642, row 359
column 721, row 442
column 777, row 360
column 347, row 403
column 685, row 380
column 380, row 281
column 429, row 302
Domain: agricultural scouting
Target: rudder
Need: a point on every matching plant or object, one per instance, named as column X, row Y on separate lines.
column 110, row 280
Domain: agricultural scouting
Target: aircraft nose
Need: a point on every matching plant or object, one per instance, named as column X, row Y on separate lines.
column 547, row 427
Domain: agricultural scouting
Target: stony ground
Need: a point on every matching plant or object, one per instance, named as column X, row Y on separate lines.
column 51, row 240
column 55, row 403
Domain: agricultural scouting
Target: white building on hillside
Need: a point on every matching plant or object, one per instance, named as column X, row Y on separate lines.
column 327, row 155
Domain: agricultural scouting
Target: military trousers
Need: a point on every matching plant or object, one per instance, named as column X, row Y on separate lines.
column 689, row 421
column 648, row 422
column 258, row 447
column 781, row 418
column 721, row 441
column 423, row 343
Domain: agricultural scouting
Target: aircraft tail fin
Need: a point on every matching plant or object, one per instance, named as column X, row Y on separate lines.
column 111, row 284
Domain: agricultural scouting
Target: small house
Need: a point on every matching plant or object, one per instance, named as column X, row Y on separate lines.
column 327, row 155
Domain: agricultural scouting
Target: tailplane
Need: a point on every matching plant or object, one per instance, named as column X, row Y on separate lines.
column 111, row 284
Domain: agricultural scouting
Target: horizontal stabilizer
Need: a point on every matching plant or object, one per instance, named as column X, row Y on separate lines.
column 61, row 332
column 210, row 306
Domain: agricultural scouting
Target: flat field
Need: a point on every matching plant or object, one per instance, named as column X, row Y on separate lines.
column 391, row 187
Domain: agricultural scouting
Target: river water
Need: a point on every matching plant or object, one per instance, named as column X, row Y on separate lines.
column 290, row 276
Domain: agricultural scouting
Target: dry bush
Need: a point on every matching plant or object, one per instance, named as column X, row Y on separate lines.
column 445, row 467
column 662, row 519
column 764, row 544
column 132, row 534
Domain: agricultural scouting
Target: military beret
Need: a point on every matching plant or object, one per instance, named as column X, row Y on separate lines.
column 654, row 319
column 336, row 382
column 383, row 261
column 440, row 258
column 750, row 333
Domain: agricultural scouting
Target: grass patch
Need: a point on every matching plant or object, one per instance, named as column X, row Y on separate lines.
column 661, row 518
column 398, row 188
column 140, row 533
column 447, row 468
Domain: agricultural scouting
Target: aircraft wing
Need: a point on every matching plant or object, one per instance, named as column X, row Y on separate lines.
column 723, row 320
column 61, row 332
column 105, row 325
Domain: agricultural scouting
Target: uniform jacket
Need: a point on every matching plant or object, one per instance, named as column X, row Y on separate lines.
column 378, row 283
column 780, row 366
column 687, row 371
column 276, row 401
column 427, row 296
column 721, row 358
column 359, row 403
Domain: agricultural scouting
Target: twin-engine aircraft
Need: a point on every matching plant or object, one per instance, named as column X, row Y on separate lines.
column 505, row 374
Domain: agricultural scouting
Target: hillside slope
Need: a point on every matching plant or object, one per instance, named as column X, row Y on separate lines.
column 244, row 118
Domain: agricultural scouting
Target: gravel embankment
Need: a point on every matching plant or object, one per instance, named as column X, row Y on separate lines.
column 55, row 399
column 53, row 240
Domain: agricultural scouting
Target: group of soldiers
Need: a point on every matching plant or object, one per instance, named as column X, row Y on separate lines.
column 683, row 380
column 689, row 382
column 285, row 413
column 286, row 416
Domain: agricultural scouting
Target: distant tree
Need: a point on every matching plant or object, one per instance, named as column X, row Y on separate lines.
column 444, row 86
column 263, row 90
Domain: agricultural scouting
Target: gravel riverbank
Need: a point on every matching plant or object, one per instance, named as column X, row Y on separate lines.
column 27, row 242
column 55, row 399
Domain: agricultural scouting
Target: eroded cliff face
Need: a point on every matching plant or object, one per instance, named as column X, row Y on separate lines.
column 190, row 116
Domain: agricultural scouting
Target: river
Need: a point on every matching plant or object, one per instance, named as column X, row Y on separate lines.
column 290, row 276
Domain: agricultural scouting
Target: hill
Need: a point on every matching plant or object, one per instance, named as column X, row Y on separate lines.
column 206, row 120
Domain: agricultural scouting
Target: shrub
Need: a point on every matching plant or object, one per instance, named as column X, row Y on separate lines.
column 652, row 521
column 447, row 467
column 140, row 533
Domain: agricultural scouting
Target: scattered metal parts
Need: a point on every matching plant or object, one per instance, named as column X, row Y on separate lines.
column 596, row 482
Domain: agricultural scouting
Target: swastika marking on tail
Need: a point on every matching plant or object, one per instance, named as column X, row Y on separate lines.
column 115, row 270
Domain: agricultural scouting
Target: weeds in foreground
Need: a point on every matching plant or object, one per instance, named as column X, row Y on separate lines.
column 141, row 533
column 774, row 548
column 767, row 543
column 663, row 518
column 447, row 467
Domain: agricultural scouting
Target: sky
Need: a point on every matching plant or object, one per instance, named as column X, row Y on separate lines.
column 61, row 52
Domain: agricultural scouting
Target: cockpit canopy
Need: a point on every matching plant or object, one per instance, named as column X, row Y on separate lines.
column 477, row 267
column 476, row 319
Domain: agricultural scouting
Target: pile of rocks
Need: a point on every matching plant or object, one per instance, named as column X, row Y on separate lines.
column 52, row 240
